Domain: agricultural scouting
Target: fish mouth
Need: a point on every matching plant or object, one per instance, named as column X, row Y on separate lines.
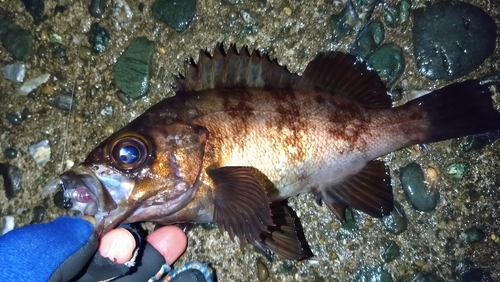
column 85, row 192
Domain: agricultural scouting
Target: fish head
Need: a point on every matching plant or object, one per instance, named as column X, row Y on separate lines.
column 142, row 165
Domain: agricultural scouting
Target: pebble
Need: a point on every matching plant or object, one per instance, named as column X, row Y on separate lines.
column 11, row 153
column 84, row 53
column 451, row 39
column 26, row 114
column 15, row 72
column 14, row 119
column 16, row 40
column 397, row 15
column 33, row 83
column 97, row 8
column 36, row 9
column 99, row 38
column 372, row 274
column 388, row 61
column 40, row 152
column 62, row 202
column 133, row 68
column 396, row 223
column 176, row 14
column 456, row 170
column 369, row 39
column 349, row 223
column 107, row 111
column 473, row 235
column 427, row 277
column 42, row 51
column 48, row 90
column 477, row 142
column 64, row 101
column 38, row 214
column 262, row 272
column 392, row 252
column 346, row 22
column 9, row 224
column 495, row 238
column 418, row 194
column 12, row 180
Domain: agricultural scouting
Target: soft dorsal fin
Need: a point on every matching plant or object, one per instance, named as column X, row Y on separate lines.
column 342, row 74
column 234, row 69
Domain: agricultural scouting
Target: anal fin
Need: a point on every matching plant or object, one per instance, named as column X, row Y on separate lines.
column 369, row 191
column 286, row 236
column 241, row 206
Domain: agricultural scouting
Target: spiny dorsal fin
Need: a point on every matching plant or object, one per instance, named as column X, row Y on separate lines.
column 234, row 69
column 342, row 74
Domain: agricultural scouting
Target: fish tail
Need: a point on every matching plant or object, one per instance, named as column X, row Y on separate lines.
column 457, row 110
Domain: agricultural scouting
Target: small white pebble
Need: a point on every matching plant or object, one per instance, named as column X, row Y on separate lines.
column 9, row 224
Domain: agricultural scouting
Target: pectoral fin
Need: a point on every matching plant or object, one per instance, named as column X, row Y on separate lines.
column 369, row 191
column 241, row 206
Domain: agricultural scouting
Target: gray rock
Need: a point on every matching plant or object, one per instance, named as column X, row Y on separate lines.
column 176, row 14
column 14, row 72
column 16, row 40
column 417, row 193
column 452, row 39
column 388, row 61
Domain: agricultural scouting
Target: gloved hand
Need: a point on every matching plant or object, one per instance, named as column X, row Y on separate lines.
column 62, row 249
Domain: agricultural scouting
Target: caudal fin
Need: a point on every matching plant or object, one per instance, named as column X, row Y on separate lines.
column 458, row 110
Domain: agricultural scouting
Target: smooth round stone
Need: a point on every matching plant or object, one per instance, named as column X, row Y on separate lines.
column 64, row 101
column 262, row 272
column 97, row 8
column 99, row 38
column 12, row 180
column 176, row 14
column 417, row 193
column 345, row 22
column 392, row 252
column 26, row 113
column 36, row 9
column 372, row 274
column 38, row 214
column 369, row 39
column 451, row 39
column 16, row 40
column 473, row 235
column 42, row 51
column 421, row 277
column 60, row 201
column 14, row 119
column 350, row 223
column 388, row 61
column 397, row 15
column 396, row 222
column 11, row 153
column 133, row 68
column 85, row 53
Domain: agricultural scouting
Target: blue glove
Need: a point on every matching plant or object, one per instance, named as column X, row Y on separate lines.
column 62, row 249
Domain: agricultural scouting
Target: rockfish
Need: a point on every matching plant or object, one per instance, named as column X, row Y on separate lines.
column 243, row 134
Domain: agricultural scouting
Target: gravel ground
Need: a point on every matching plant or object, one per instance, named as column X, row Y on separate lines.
column 433, row 242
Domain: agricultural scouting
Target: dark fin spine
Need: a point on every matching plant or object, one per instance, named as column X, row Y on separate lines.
column 233, row 69
column 369, row 191
column 286, row 236
column 457, row 110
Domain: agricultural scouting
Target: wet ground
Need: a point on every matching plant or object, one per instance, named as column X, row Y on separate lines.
column 293, row 32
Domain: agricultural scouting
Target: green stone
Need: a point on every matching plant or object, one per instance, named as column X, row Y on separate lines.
column 349, row 223
column 99, row 38
column 473, row 235
column 456, row 170
column 177, row 14
column 391, row 252
column 133, row 69
column 388, row 61
column 16, row 40
column 262, row 272
column 371, row 274
column 396, row 222
column 345, row 22
column 369, row 39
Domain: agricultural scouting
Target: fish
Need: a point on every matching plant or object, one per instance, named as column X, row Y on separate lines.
column 243, row 134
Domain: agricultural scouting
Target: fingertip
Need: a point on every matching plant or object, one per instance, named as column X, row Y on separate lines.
column 169, row 241
column 117, row 245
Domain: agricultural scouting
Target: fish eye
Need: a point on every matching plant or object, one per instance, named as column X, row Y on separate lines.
column 129, row 152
